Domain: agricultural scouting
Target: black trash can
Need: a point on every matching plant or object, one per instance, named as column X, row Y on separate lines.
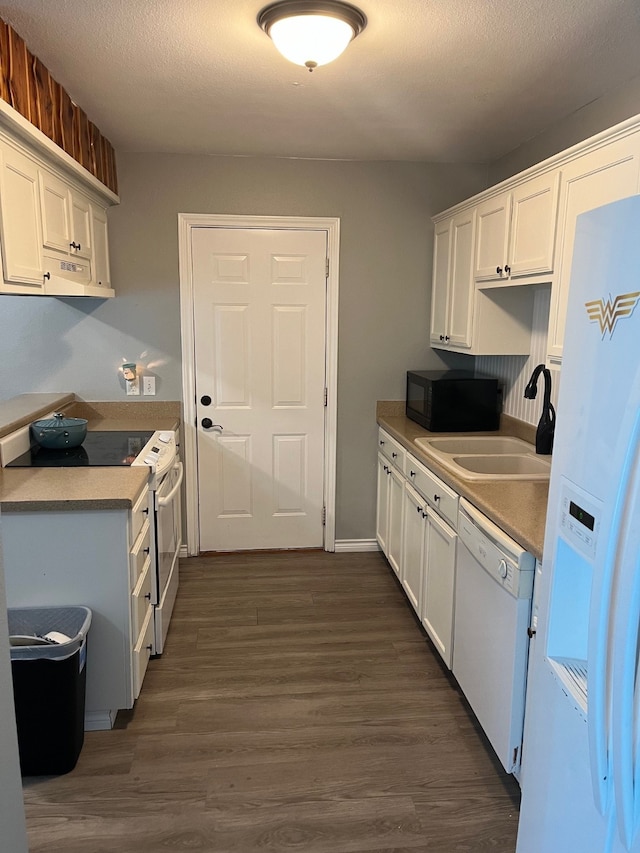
column 49, row 680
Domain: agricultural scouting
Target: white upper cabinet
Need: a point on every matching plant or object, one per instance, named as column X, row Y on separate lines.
column 21, row 230
column 516, row 231
column 453, row 292
column 53, row 229
column 466, row 319
column 599, row 177
column 100, row 247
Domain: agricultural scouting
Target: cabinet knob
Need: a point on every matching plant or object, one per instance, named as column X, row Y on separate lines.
column 507, row 269
column 499, row 270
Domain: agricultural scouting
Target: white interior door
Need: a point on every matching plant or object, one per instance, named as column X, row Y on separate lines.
column 259, row 328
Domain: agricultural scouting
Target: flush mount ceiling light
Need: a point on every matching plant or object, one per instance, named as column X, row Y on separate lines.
column 311, row 33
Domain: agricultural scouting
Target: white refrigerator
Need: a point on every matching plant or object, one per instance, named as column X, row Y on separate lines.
column 581, row 750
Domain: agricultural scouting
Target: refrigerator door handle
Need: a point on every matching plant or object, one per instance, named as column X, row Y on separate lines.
column 601, row 616
column 625, row 646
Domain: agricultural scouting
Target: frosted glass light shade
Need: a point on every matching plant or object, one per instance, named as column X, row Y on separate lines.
column 311, row 39
column 311, row 32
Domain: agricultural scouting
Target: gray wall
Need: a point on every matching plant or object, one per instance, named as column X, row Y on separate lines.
column 591, row 119
column 385, row 272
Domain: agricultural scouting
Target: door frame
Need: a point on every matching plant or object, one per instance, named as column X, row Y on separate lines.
column 186, row 223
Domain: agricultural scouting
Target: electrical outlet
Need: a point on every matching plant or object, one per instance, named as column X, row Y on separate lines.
column 149, row 385
column 133, row 387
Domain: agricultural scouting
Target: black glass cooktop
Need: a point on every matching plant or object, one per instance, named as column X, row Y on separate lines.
column 108, row 448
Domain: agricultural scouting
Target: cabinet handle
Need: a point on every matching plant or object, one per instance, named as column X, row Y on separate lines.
column 148, row 596
column 419, row 509
column 424, row 515
column 394, row 455
column 145, row 550
column 436, row 498
column 441, row 337
column 47, row 275
column 412, row 473
column 381, row 442
column 499, row 270
column 145, row 511
column 531, row 632
column 149, row 648
column 75, row 246
column 446, row 337
column 507, row 269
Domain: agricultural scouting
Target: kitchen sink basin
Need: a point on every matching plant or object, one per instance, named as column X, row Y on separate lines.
column 477, row 444
column 487, row 457
column 511, row 464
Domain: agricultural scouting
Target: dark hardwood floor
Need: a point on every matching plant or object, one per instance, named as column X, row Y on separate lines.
column 298, row 707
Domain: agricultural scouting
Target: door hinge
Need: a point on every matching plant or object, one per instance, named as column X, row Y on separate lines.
column 326, row 273
column 326, row 393
column 324, row 516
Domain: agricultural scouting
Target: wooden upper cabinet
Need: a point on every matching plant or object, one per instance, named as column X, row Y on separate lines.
column 26, row 84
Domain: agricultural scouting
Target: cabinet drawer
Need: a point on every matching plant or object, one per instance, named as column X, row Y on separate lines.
column 437, row 494
column 141, row 600
column 142, row 652
column 392, row 450
column 139, row 514
column 139, row 554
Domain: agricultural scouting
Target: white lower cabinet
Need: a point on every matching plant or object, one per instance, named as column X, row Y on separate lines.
column 437, row 607
column 415, row 527
column 396, row 515
column 416, row 518
column 100, row 559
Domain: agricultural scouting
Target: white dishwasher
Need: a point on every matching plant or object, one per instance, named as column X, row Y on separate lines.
column 494, row 583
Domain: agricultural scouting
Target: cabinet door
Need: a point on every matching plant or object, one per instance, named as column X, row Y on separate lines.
column 492, row 235
column 461, row 286
column 396, row 506
column 100, row 273
column 382, row 505
column 533, row 226
column 56, row 216
column 597, row 178
column 413, row 545
column 440, row 282
column 81, row 225
column 21, row 224
column 439, row 585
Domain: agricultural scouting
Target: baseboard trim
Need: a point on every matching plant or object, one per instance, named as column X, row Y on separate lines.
column 356, row 545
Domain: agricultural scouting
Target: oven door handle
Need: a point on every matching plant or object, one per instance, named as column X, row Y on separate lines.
column 168, row 498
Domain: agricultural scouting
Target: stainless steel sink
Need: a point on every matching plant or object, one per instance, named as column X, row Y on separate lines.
column 487, row 457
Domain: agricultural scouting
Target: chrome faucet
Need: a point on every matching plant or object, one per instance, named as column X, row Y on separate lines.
column 547, row 422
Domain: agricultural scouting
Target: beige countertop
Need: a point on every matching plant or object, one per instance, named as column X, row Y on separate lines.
column 73, row 489
column 519, row 507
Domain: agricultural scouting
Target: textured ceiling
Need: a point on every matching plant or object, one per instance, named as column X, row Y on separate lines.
column 459, row 80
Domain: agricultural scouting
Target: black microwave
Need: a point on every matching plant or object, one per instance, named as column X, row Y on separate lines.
column 452, row 400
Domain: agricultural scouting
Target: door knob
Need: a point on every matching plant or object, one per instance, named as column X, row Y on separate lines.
column 207, row 423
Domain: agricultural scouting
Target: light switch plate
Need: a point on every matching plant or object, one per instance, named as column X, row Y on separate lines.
column 149, row 385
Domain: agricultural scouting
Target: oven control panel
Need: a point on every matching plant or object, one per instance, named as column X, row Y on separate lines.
column 159, row 452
